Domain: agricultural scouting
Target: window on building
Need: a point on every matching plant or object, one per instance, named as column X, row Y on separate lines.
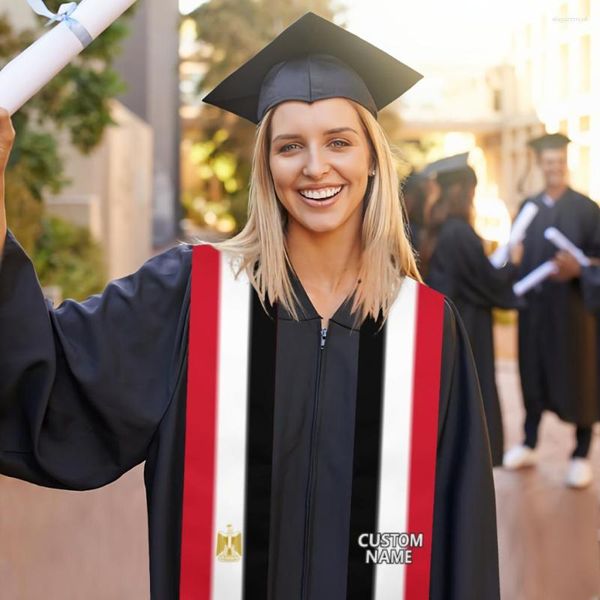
column 564, row 70
column 584, row 9
column 584, row 123
column 585, row 63
column 563, row 126
column 583, row 170
column 497, row 99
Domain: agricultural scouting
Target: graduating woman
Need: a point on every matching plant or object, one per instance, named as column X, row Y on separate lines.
column 459, row 268
column 308, row 412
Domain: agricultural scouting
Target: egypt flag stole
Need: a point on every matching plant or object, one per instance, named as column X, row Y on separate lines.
column 229, row 439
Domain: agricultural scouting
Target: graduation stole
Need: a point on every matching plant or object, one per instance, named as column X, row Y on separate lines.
column 229, row 442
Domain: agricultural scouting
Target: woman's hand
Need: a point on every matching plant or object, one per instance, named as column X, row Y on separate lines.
column 7, row 137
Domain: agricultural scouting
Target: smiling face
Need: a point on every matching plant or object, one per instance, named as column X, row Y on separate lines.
column 320, row 160
column 553, row 163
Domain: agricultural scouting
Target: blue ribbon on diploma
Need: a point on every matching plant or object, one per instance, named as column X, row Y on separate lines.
column 63, row 16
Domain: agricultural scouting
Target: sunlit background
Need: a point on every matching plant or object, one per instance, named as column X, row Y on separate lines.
column 496, row 74
column 117, row 159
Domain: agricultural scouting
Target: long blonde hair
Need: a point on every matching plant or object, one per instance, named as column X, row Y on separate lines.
column 387, row 256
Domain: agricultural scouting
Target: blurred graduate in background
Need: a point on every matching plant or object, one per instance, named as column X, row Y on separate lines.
column 457, row 266
column 415, row 199
column 557, row 333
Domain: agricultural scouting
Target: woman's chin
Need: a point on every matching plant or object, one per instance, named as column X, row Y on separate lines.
column 321, row 225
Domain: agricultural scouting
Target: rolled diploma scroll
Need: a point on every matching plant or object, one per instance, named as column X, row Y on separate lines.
column 31, row 70
column 500, row 256
column 536, row 276
column 564, row 243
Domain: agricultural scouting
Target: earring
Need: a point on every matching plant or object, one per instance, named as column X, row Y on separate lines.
column 372, row 173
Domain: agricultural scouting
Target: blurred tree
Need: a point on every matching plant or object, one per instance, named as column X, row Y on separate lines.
column 220, row 145
column 77, row 100
column 67, row 257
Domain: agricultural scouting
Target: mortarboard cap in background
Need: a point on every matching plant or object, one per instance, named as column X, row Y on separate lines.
column 311, row 60
column 548, row 141
column 447, row 165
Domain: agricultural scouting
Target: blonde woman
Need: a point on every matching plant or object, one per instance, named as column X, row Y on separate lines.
column 308, row 411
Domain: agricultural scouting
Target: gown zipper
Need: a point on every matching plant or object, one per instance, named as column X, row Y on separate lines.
column 312, row 460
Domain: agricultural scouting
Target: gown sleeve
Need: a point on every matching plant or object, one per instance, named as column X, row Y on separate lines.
column 83, row 387
column 465, row 550
column 590, row 286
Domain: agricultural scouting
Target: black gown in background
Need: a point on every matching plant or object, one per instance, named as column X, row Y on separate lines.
column 91, row 389
column 557, row 333
column 460, row 269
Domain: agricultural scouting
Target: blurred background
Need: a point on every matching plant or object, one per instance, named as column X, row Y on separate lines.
column 117, row 159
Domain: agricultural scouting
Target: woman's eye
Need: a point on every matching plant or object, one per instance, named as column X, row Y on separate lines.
column 339, row 143
column 289, row 147
column 294, row 146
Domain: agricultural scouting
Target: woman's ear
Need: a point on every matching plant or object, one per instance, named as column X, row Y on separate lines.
column 372, row 168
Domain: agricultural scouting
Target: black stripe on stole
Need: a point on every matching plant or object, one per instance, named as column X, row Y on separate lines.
column 261, row 402
column 366, row 462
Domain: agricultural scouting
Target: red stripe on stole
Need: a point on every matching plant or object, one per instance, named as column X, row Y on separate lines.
column 426, row 397
column 200, row 439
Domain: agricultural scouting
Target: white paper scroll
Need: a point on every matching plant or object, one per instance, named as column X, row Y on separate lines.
column 562, row 242
column 517, row 234
column 25, row 75
column 534, row 278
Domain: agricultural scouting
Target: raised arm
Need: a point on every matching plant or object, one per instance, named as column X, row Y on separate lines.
column 7, row 136
column 83, row 387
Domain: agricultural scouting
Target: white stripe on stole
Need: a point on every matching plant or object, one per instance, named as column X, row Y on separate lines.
column 396, row 433
column 230, row 456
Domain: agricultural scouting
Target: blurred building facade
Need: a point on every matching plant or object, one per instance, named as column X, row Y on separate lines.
column 554, row 86
column 550, row 81
column 110, row 192
column 150, row 66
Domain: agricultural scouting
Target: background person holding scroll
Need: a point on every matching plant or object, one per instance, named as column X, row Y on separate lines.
column 557, row 339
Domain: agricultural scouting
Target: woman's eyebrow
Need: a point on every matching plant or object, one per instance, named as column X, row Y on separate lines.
column 290, row 136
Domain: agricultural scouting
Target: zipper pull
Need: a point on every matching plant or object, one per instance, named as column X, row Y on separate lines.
column 323, row 338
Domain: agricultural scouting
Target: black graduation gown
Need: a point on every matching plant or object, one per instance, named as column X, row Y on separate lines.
column 590, row 287
column 460, row 269
column 557, row 334
column 88, row 390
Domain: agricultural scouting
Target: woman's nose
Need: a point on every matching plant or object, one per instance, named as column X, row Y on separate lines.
column 316, row 166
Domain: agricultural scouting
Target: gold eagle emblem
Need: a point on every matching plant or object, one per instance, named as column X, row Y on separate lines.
column 229, row 545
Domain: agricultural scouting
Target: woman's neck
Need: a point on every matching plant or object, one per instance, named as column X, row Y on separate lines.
column 327, row 263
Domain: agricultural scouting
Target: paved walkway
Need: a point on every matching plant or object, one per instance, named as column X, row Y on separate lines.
column 548, row 534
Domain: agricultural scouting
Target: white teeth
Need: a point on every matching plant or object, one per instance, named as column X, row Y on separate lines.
column 321, row 194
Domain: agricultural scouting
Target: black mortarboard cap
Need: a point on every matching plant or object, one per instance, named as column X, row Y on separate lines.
column 313, row 59
column 548, row 141
column 449, row 164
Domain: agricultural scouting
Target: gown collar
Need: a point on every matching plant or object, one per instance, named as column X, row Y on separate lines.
column 545, row 200
column 307, row 312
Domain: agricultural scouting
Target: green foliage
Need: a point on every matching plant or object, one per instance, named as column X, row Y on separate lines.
column 23, row 210
column 35, row 159
column 76, row 100
column 67, row 257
